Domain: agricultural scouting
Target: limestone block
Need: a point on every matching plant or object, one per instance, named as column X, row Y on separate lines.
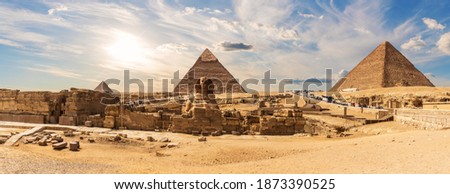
column 88, row 124
column 198, row 112
column 74, row 146
column 59, row 146
column 67, row 120
column 109, row 122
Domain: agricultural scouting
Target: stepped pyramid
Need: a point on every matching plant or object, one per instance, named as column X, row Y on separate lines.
column 383, row 67
column 207, row 65
column 103, row 88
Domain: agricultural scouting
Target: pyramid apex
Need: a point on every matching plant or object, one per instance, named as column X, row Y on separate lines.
column 103, row 87
column 207, row 56
column 385, row 43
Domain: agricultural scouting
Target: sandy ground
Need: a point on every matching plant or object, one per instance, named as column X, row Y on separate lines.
column 352, row 111
column 6, row 131
column 396, row 149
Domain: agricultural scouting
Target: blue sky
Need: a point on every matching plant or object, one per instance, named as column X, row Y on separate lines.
column 55, row 45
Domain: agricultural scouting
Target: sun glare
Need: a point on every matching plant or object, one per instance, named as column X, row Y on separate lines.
column 126, row 48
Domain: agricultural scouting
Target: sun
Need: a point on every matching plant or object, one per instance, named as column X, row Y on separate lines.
column 126, row 48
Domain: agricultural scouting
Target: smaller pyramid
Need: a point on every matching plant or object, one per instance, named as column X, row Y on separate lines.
column 383, row 67
column 103, row 88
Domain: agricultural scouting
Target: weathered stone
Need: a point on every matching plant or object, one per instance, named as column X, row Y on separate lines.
column 42, row 142
column 164, row 139
column 216, row 133
column 202, row 139
column 117, row 138
column 30, row 139
column 171, row 145
column 68, row 134
column 236, row 133
column 59, row 146
column 205, row 133
column 151, row 139
column 109, row 122
column 74, row 146
column 3, row 140
column 58, row 138
column 91, row 140
column 163, row 145
column 88, row 124
column 124, row 135
column 196, row 132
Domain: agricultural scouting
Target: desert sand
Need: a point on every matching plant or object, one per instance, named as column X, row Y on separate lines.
column 388, row 147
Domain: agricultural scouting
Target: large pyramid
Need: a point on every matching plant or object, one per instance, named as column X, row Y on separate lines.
column 383, row 67
column 207, row 65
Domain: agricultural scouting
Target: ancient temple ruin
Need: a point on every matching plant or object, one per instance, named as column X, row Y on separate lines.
column 68, row 107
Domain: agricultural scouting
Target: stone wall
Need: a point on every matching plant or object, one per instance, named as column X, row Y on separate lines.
column 283, row 122
column 46, row 106
column 202, row 119
column 133, row 120
column 66, row 107
column 426, row 119
column 80, row 104
column 139, row 121
column 437, row 105
column 23, row 118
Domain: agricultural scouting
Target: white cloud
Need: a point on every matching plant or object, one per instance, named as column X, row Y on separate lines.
column 53, row 70
column 415, row 44
column 443, row 43
column 275, row 32
column 310, row 16
column 58, row 8
column 433, row 24
column 307, row 15
column 232, row 26
column 362, row 30
column 172, row 47
column 328, row 37
column 266, row 12
column 188, row 11
column 9, row 43
column 192, row 10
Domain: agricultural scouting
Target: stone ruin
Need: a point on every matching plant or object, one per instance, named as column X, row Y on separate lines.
column 282, row 122
column 202, row 116
column 66, row 107
column 199, row 115
column 390, row 101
